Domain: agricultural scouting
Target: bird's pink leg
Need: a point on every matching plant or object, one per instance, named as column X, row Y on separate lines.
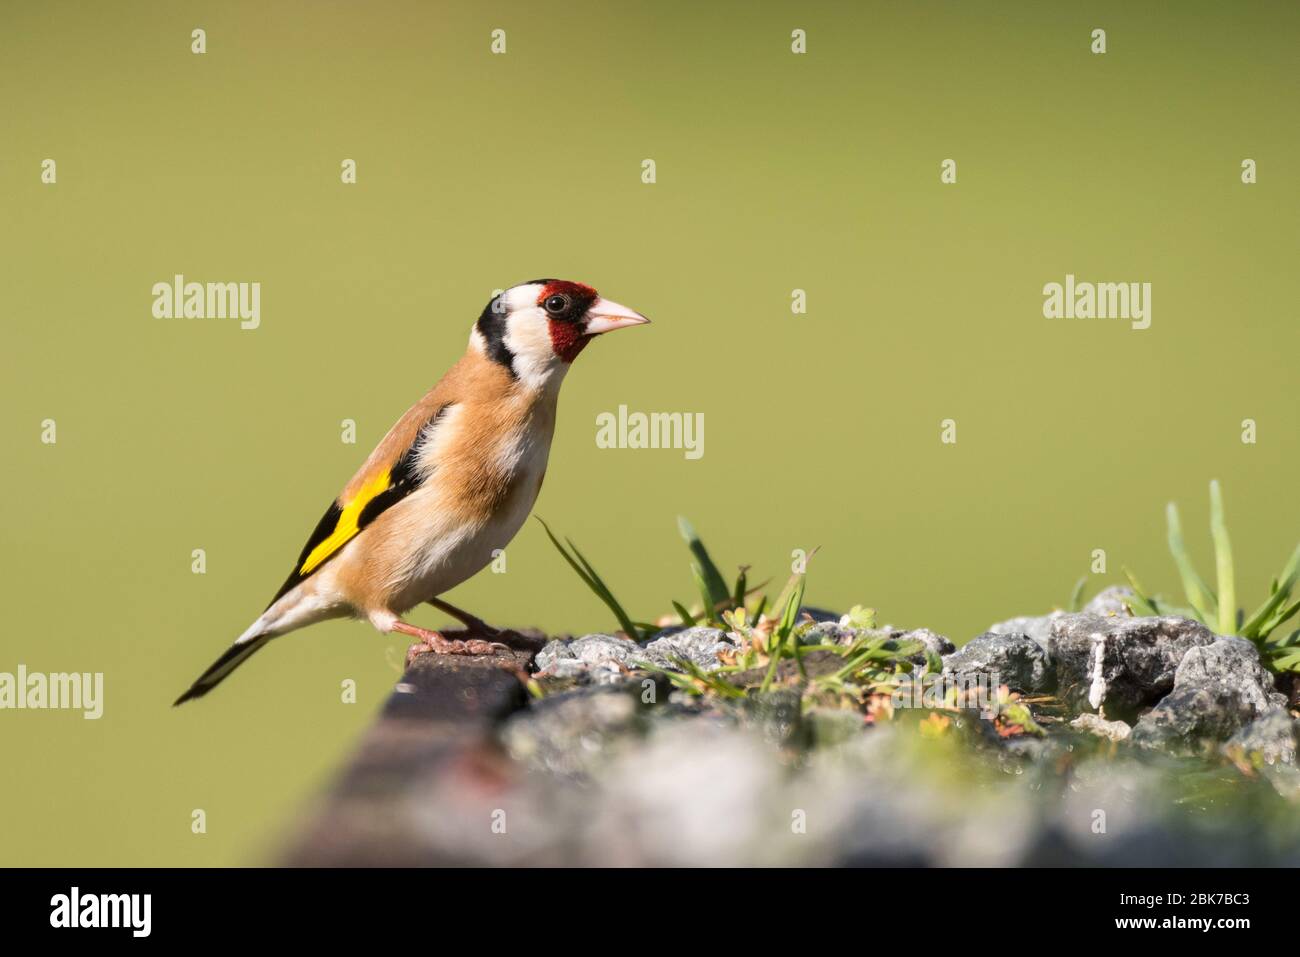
column 476, row 626
column 432, row 642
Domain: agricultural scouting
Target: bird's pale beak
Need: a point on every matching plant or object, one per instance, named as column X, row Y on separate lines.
column 606, row 316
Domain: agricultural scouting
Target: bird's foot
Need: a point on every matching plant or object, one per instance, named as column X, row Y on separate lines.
column 430, row 642
column 444, row 646
column 474, row 625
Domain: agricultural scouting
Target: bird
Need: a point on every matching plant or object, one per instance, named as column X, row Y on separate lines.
column 447, row 487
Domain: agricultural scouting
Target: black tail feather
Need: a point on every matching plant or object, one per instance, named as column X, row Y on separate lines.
column 233, row 657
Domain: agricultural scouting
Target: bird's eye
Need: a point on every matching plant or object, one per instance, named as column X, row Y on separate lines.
column 556, row 304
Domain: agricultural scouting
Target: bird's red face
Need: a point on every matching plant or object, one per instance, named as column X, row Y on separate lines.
column 534, row 326
column 565, row 304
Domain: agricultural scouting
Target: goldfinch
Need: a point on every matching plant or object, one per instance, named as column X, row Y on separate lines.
column 451, row 482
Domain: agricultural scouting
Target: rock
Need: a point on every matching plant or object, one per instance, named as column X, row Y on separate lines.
column 1017, row 660
column 827, row 727
column 1028, row 749
column 1288, row 684
column 836, row 633
column 777, row 714
column 1185, row 718
column 685, row 796
column 939, row 644
column 817, row 614
column 1096, row 724
column 699, row 645
column 1110, row 601
column 1121, row 665
column 564, row 733
column 1231, row 665
column 599, row 658
column 1039, row 628
column 1219, row 688
column 1149, row 819
column 1271, row 737
column 603, row 659
column 830, row 633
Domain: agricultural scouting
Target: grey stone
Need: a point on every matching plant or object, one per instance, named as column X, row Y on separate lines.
column 1110, row 601
column 564, row 733
column 834, row 633
column 1147, row 823
column 599, row 658
column 1019, row 661
column 1219, row 688
column 818, row 614
column 1271, row 737
column 606, row 775
column 1231, row 665
column 1187, row 717
column 1038, row 628
column 1120, row 665
column 699, row 645
column 830, row 633
column 939, row 644
column 777, row 714
column 603, row 659
column 1096, row 724
column 1030, row 748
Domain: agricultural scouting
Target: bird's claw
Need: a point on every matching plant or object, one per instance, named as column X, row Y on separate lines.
column 436, row 645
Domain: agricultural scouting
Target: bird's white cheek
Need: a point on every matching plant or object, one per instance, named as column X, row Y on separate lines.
column 528, row 338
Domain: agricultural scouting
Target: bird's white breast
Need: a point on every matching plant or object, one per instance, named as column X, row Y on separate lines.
column 448, row 547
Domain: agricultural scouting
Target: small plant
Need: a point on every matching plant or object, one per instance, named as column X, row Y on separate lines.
column 717, row 601
column 714, row 595
column 854, row 675
column 635, row 631
column 1218, row 609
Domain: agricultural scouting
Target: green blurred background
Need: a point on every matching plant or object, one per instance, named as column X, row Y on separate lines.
column 476, row 171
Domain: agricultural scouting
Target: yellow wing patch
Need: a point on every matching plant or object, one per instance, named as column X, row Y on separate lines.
column 347, row 525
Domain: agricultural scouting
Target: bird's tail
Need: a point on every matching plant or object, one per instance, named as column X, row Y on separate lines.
column 234, row 656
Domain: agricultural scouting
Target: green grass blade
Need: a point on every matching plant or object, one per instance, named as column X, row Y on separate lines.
column 1140, row 602
column 710, row 610
column 775, row 652
column 790, row 616
column 1260, row 623
column 1280, row 618
column 1291, row 574
column 567, row 557
column 1288, row 662
column 784, row 595
column 741, row 589
column 687, row 618
column 788, row 622
column 777, row 646
column 1076, row 597
column 693, row 672
column 1197, row 591
column 1286, row 655
column 624, row 619
column 593, row 581
column 708, row 571
column 1223, row 563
